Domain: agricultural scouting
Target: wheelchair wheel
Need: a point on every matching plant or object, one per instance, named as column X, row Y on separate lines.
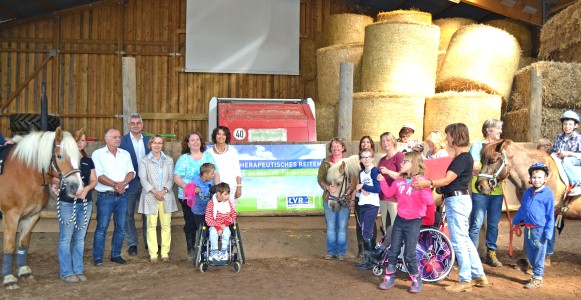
column 377, row 270
column 204, row 267
column 237, row 267
column 435, row 255
column 239, row 245
column 198, row 247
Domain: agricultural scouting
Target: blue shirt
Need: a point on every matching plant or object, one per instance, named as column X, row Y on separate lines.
column 537, row 209
column 203, row 196
column 188, row 168
column 571, row 143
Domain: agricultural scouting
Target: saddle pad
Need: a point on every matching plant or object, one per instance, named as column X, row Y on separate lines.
column 562, row 173
column 3, row 154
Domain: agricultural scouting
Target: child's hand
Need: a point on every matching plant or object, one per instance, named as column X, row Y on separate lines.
column 198, row 190
column 365, row 193
column 380, row 178
column 359, row 186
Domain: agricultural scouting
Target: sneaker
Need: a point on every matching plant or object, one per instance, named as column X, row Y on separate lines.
column 224, row 255
column 71, row 279
column 575, row 191
column 459, row 287
column 98, row 263
column 341, row 257
column 416, row 286
column 388, row 282
column 213, row 255
column 329, row 256
column 481, row 281
column 534, row 283
column 82, row 277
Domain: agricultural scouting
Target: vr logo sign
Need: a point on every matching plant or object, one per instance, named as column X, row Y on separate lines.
column 300, row 201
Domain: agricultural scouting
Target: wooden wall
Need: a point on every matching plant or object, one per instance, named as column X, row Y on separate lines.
column 84, row 47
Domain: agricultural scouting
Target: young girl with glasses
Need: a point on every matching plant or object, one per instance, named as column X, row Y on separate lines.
column 411, row 208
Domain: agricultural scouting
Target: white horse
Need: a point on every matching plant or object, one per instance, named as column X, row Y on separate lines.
column 344, row 176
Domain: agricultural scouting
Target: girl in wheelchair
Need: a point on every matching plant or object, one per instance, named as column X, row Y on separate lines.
column 219, row 216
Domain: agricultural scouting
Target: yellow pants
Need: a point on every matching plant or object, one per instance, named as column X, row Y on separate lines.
column 165, row 222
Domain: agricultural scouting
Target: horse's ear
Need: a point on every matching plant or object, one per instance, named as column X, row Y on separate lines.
column 504, row 145
column 58, row 135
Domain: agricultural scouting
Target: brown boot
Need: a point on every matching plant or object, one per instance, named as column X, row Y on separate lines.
column 480, row 281
column 459, row 287
column 491, row 259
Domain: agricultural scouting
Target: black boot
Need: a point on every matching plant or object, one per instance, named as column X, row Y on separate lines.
column 361, row 251
column 190, row 244
column 367, row 264
column 377, row 255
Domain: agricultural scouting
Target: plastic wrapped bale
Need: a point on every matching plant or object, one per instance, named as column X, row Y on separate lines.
column 346, row 29
column 405, row 16
column 448, row 27
column 560, row 38
column 400, row 59
column 329, row 61
column 471, row 108
column 522, row 33
column 480, row 57
column 375, row 113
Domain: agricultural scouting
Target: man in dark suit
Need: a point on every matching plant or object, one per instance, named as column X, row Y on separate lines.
column 136, row 144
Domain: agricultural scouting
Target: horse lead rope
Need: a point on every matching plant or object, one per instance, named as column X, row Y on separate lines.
column 73, row 218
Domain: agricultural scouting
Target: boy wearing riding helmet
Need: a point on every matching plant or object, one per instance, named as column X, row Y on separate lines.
column 536, row 214
column 567, row 146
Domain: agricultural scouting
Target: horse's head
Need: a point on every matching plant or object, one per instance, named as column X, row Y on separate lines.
column 342, row 176
column 65, row 162
column 495, row 166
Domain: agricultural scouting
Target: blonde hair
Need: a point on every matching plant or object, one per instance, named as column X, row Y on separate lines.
column 418, row 167
column 438, row 139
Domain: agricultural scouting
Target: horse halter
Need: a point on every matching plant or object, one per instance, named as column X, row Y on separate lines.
column 57, row 170
column 341, row 197
column 493, row 179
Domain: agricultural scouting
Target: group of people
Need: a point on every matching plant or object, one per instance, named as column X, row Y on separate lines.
column 132, row 173
column 397, row 188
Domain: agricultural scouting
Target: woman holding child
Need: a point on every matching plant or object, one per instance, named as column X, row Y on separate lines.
column 186, row 169
column 157, row 197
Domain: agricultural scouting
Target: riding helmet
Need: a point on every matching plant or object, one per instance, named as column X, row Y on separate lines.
column 538, row 166
column 570, row 115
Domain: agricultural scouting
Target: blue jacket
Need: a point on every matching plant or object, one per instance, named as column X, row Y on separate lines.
column 203, row 196
column 127, row 145
column 537, row 209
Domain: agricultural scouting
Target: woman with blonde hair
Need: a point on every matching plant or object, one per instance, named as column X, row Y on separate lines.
column 437, row 145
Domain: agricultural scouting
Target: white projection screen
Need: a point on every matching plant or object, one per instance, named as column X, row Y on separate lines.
column 243, row 36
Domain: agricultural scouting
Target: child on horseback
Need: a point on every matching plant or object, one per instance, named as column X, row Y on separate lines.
column 536, row 214
column 567, row 146
column 411, row 208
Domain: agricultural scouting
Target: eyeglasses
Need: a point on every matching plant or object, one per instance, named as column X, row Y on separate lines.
column 135, row 123
column 114, row 136
column 157, row 143
column 365, row 157
column 406, row 161
column 546, row 145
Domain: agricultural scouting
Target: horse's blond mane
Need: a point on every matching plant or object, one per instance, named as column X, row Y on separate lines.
column 352, row 166
column 35, row 149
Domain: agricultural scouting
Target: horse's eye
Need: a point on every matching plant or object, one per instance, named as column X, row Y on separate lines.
column 58, row 156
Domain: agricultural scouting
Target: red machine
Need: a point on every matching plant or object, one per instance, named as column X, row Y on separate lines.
column 264, row 120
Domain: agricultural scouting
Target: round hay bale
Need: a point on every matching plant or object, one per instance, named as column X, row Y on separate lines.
column 441, row 56
column 308, row 64
column 346, row 29
column 448, row 27
column 520, row 31
column 326, row 118
column 400, row 59
column 480, row 57
column 376, row 113
column 405, row 16
column 329, row 61
column 471, row 108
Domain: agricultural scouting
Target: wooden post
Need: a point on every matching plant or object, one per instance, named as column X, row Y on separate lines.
column 345, row 101
column 536, row 105
column 129, row 91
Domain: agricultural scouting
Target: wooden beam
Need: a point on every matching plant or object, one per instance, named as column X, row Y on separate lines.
column 174, row 116
column 557, row 8
column 515, row 12
column 51, row 8
column 26, row 81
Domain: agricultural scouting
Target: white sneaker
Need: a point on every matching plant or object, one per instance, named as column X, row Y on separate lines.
column 224, row 255
column 575, row 191
column 214, row 255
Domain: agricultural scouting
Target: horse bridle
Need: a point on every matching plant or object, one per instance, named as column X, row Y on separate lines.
column 57, row 170
column 341, row 197
column 493, row 179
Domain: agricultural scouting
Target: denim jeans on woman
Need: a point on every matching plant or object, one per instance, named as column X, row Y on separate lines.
column 405, row 232
column 491, row 206
column 71, row 256
column 336, row 229
column 457, row 212
column 107, row 205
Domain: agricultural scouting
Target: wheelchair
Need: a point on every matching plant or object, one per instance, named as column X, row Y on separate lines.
column 235, row 250
column 434, row 253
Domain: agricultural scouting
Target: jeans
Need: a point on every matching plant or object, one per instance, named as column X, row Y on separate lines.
column 133, row 195
column 569, row 164
column 107, row 205
column 367, row 217
column 71, row 257
column 551, row 242
column 457, row 212
column 165, row 222
column 536, row 246
column 214, row 238
column 405, row 232
column 491, row 207
column 336, row 229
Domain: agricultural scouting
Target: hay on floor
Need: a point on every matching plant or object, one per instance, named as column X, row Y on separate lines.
column 522, row 33
column 448, row 27
column 400, row 59
column 329, row 61
column 375, row 113
column 346, row 29
column 480, row 57
column 405, row 16
column 471, row 108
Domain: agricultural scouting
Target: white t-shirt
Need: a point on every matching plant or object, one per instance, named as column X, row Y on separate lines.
column 115, row 167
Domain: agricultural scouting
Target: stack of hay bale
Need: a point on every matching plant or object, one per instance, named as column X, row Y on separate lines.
column 475, row 78
column 398, row 69
column 546, row 89
column 344, row 38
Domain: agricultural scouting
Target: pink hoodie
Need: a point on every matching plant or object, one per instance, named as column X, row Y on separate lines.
column 411, row 203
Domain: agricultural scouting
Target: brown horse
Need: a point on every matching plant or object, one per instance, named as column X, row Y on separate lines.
column 24, row 192
column 503, row 159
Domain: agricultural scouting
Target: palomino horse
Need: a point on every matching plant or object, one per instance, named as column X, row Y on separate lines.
column 503, row 159
column 344, row 176
column 24, row 192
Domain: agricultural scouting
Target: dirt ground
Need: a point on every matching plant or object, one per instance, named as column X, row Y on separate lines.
column 284, row 261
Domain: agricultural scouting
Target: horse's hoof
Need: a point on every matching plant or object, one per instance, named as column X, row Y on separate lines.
column 10, row 282
column 12, row 286
column 24, row 272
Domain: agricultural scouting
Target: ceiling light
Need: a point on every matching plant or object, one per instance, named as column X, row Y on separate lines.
column 510, row 3
column 455, row 1
column 529, row 10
